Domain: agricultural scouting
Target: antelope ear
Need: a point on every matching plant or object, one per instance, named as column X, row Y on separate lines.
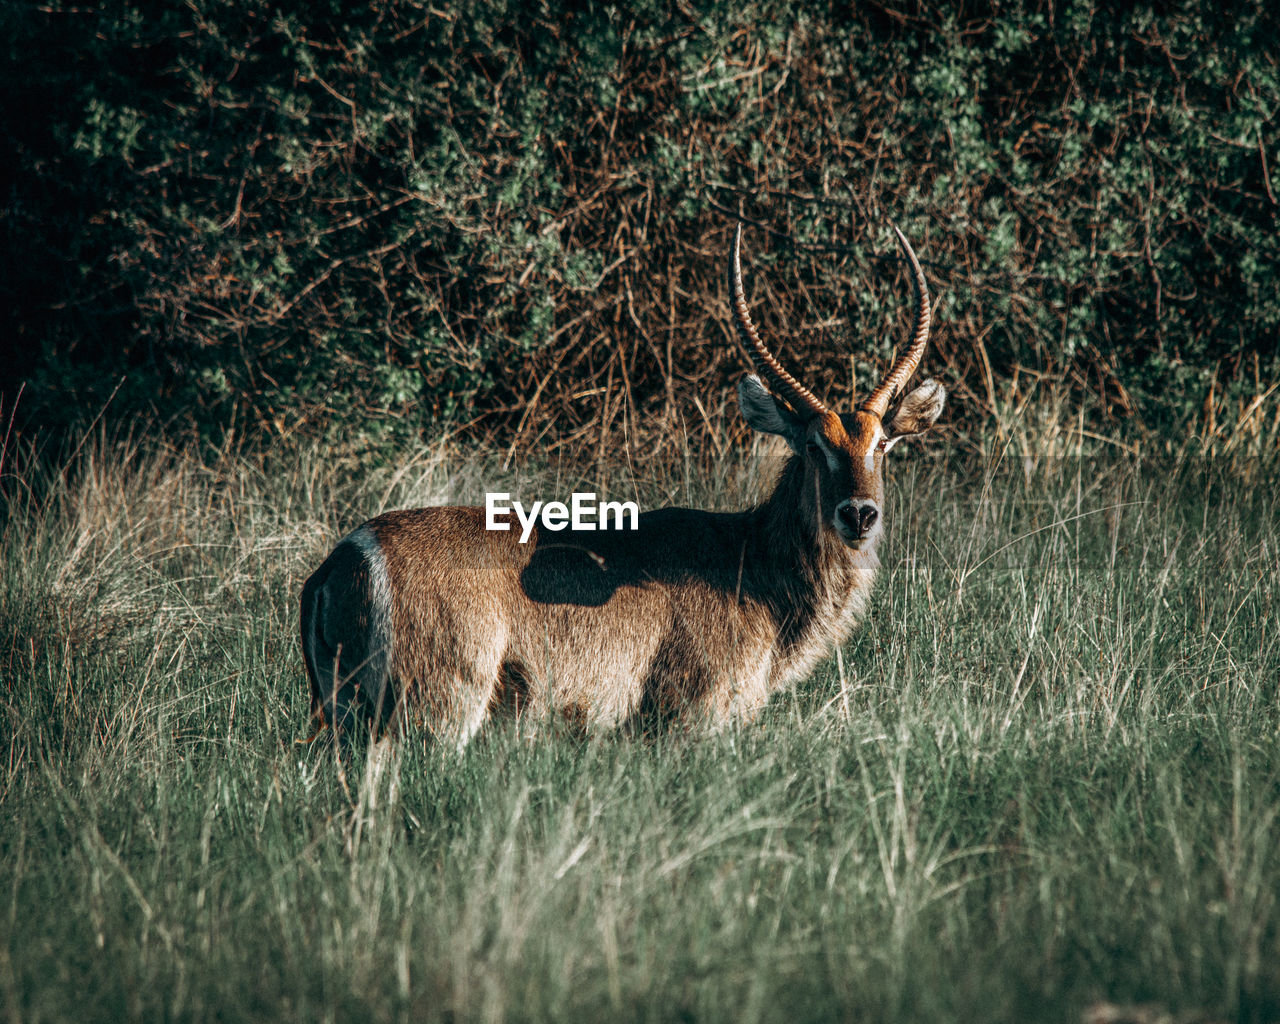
column 918, row 411
column 767, row 414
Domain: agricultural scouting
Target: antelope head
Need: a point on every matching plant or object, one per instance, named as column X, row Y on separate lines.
column 843, row 453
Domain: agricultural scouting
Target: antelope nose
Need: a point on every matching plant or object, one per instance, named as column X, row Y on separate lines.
column 858, row 516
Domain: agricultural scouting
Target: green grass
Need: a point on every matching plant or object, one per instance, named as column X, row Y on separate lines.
column 1042, row 778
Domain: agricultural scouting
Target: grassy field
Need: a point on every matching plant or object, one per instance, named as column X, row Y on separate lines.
column 1041, row 783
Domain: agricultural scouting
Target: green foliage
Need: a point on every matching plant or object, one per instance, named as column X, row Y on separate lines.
column 360, row 219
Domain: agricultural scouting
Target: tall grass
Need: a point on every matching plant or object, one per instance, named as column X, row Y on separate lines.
column 1042, row 781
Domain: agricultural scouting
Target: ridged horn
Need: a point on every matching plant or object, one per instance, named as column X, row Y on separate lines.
column 878, row 401
column 784, row 385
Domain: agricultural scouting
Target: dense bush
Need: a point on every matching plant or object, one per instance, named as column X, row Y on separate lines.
column 368, row 217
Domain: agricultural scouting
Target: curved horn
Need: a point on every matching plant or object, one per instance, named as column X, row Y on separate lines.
column 796, row 394
column 878, row 401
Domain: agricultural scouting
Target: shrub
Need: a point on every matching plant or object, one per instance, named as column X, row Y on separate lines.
column 362, row 219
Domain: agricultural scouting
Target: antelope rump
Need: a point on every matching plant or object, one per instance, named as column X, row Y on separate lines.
column 425, row 617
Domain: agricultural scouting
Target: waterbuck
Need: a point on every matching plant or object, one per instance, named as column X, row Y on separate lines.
column 425, row 616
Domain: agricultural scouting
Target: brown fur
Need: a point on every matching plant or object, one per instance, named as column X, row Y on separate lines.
column 695, row 616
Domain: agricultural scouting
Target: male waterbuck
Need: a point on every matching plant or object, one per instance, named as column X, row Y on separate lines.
column 426, row 616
